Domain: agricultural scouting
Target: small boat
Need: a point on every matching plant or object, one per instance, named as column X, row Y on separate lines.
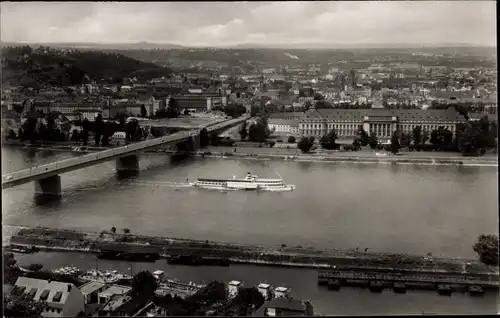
column 381, row 154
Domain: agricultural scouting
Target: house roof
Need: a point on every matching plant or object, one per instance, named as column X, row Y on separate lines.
column 55, row 293
column 403, row 115
column 115, row 290
column 116, row 302
column 287, row 304
column 91, row 287
column 279, row 121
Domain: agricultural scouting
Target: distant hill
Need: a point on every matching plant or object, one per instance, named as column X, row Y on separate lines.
column 101, row 46
column 28, row 67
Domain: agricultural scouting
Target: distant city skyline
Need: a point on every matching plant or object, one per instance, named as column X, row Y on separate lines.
column 260, row 23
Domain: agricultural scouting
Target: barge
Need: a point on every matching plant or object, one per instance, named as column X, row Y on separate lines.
column 22, row 249
column 131, row 257
column 192, row 260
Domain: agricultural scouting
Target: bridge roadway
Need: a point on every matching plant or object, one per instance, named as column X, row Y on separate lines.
column 53, row 169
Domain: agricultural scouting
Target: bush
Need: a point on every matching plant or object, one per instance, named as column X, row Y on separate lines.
column 271, row 144
column 422, row 147
column 291, row 139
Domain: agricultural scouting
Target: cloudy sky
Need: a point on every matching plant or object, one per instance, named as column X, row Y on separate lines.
column 229, row 23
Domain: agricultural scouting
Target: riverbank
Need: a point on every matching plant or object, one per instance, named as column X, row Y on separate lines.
column 343, row 157
column 59, row 239
column 255, row 153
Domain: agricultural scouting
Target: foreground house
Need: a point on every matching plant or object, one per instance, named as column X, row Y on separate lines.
column 62, row 299
column 285, row 307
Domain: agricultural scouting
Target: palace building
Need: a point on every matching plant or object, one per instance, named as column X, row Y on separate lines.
column 347, row 122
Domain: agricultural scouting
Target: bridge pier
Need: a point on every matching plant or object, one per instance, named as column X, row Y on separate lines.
column 128, row 165
column 48, row 188
column 196, row 142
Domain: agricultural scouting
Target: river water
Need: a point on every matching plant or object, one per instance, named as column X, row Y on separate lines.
column 383, row 207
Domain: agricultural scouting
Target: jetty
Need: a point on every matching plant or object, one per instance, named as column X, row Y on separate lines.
column 400, row 281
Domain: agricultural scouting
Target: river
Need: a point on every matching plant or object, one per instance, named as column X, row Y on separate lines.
column 388, row 208
column 302, row 282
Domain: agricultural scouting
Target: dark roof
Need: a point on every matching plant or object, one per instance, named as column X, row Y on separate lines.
column 287, row 304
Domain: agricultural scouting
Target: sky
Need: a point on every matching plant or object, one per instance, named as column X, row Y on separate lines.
column 232, row 23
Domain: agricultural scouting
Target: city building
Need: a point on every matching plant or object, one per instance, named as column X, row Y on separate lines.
column 265, row 290
column 200, row 102
column 289, row 127
column 233, row 288
column 91, row 290
column 285, row 307
column 62, row 299
column 121, row 306
column 105, row 295
column 281, row 292
column 382, row 122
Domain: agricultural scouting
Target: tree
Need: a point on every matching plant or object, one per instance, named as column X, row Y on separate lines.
column 248, row 299
column 144, row 285
column 258, row 131
column 9, row 259
column 404, row 139
column 131, row 129
column 416, row 135
column 243, row 130
column 99, row 129
column 356, row 144
column 305, row 144
column 441, row 136
column 21, row 304
column 395, row 142
column 364, row 138
column 487, row 249
column 204, row 139
column 425, row 136
column 172, row 109
column 373, row 140
column 328, row 140
column 144, row 112
column 113, row 230
column 291, row 139
column 307, row 105
column 126, row 230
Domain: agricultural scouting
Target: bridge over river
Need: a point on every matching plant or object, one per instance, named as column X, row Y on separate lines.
column 48, row 181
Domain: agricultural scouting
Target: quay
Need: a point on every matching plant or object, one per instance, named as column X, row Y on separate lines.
column 341, row 266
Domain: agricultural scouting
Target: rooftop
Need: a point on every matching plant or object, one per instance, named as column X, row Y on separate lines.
column 449, row 114
column 115, row 290
column 116, row 302
column 287, row 304
column 54, row 293
column 264, row 286
column 91, row 287
column 281, row 289
column 234, row 283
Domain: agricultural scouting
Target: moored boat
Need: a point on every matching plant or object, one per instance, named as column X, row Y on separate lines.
column 198, row 261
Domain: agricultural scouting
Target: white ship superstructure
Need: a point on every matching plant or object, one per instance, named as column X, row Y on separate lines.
column 250, row 182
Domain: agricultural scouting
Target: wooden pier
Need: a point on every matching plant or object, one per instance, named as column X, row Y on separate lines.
column 376, row 281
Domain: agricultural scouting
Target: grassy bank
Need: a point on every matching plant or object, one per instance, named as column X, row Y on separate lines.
column 57, row 239
column 362, row 157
